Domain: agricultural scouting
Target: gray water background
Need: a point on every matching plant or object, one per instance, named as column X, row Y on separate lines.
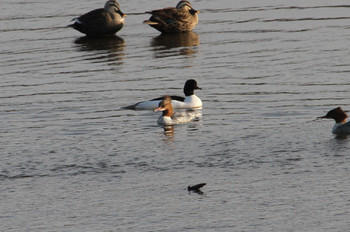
column 71, row 159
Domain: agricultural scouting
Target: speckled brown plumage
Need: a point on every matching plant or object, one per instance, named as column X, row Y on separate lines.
column 182, row 18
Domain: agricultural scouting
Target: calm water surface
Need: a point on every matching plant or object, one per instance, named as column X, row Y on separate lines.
column 73, row 160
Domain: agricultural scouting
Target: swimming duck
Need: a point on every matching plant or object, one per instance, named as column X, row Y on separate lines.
column 341, row 127
column 190, row 101
column 169, row 118
column 101, row 22
column 182, row 18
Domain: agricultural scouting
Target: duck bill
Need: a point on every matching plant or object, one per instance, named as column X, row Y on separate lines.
column 193, row 11
column 121, row 13
column 325, row 116
column 158, row 109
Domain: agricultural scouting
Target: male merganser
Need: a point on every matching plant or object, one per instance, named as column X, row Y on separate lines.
column 100, row 22
column 169, row 118
column 182, row 18
column 341, row 127
column 190, row 101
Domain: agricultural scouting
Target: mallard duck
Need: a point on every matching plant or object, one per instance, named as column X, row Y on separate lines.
column 101, row 22
column 182, row 18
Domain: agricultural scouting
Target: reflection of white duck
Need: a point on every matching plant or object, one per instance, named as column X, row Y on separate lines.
column 170, row 118
column 341, row 127
column 190, row 101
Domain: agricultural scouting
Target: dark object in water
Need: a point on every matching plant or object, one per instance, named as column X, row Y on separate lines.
column 196, row 188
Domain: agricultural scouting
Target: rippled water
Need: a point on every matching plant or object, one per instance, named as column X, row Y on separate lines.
column 73, row 160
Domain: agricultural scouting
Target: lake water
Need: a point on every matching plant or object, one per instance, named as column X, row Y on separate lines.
column 73, row 160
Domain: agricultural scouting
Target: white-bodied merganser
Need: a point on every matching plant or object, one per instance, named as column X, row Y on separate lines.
column 190, row 101
column 341, row 127
column 169, row 118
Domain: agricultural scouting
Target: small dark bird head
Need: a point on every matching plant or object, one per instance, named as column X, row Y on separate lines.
column 190, row 86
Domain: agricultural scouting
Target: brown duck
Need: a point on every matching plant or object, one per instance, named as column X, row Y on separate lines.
column 100, row 22
column 182, row 18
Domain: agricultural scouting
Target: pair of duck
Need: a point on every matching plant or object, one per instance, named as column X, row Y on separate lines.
column 166, row 104
column 110, row 19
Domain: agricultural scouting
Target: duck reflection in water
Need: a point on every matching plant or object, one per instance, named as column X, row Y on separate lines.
column 187, row 42
column 169, row 131
column 111, row 47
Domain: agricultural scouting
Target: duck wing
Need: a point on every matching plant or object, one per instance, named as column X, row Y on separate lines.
column 151, row 104
column 167, row 16
column 92, row 16
column 93, row 22
column 164, row 13
column 176, row 98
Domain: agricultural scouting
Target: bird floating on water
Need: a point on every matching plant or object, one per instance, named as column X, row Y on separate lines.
column 190, row 101
column 101, row 22
column 182, row 18
column 341, row 127
column 170, row 118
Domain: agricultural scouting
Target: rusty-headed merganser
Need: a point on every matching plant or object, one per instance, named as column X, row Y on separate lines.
column 341, row 127
column 169, row 118
column 190, row 101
